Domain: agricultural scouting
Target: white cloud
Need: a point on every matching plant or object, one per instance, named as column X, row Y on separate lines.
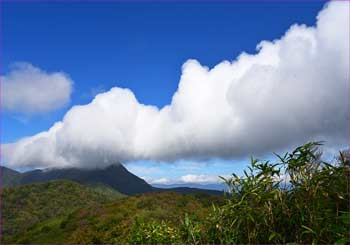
column 293, row 90
column 28, row 90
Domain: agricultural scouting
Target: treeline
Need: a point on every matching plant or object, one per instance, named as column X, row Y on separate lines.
column 298, row 199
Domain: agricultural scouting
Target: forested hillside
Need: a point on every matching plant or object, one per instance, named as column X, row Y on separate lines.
column 25, row 206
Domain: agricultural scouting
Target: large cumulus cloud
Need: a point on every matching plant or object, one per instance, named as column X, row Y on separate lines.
column 294, row 89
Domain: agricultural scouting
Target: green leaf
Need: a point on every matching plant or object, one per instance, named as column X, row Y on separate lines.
column 342, row 241
column 308, row 230
column 272, row 236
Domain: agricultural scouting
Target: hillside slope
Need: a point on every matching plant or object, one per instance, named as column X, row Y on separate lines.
column 26, row 205
column 9, row 177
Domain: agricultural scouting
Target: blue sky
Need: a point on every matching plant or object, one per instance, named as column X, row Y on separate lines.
column 140, row 46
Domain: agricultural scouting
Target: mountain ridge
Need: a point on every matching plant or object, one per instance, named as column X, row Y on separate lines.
column 114, row 176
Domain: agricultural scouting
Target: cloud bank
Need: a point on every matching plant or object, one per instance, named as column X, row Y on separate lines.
column 28, row 90
column 292, row 90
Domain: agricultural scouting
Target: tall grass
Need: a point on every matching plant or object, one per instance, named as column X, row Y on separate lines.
column 298, row 199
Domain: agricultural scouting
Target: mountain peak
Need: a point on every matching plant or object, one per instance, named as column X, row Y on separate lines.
column 114, row 165
column 115, row 176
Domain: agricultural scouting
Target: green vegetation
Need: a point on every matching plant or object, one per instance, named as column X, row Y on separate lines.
column 44, row 232
column 263, row 207
column 298, row 199
column 25, row 206
column 106, row 190
column 117, row 222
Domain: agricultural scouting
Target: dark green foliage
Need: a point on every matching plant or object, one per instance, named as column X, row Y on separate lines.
column 264, row 208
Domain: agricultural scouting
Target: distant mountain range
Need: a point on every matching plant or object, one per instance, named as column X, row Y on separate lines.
column 216, row 186
column 115, row 177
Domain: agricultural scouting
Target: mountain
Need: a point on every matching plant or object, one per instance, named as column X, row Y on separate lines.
column 115, row 176
column 9, row 177
column 26, row 205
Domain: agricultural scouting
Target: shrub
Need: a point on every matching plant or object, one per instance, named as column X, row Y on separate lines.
column 153, row 233
column 298, row 199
